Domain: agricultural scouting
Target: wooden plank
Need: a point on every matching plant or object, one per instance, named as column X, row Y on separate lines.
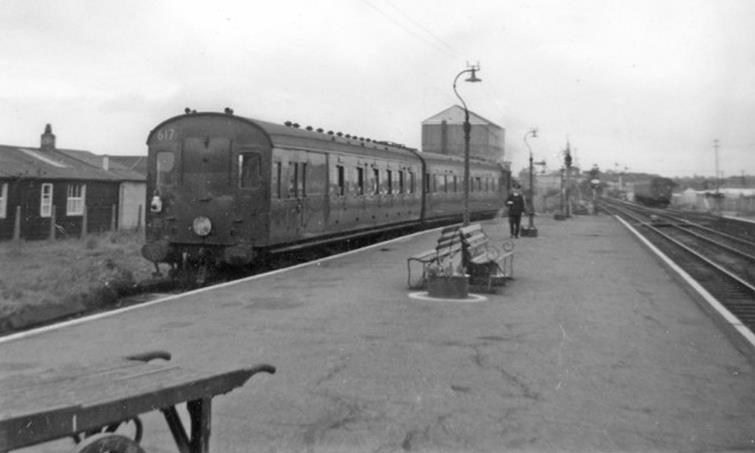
column 93, row 400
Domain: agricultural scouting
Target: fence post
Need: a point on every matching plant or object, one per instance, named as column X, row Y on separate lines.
column 113, row 219
column 84, row 219
column 52, row 223
column 17, row 225
column 139, row 219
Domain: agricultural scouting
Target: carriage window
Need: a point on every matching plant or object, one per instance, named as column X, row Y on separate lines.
column 456, row 183
column 275, row 182
column 303, row 180
column 376, row 181
column 445, row 183
column 249, row 170
column 341, row 180
column 401, row 181
column 411, row 182
column 293, row 177
column 389, row 181
column 360, row 180
column 427, row 182
column 166, row 163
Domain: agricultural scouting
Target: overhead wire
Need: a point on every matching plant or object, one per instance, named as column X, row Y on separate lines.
column 432, row 35
column 440, row 48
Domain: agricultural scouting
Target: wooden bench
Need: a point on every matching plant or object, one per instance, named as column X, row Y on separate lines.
column 89, row 403
column 485, row 264
column 447, row 252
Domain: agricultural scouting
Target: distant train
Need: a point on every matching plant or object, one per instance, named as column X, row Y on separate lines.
column 654, row 192
column 226, row 190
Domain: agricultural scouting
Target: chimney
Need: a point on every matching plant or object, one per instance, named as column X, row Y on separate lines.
column 106, row 162
column 47, row 142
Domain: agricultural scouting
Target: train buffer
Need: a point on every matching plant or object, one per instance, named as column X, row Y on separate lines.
column 469, row 248
column 89, row 403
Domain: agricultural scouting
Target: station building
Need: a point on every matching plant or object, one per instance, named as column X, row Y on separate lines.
column 47, row 192
column 443, row 133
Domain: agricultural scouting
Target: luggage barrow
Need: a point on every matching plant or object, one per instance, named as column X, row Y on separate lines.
column 89, row 403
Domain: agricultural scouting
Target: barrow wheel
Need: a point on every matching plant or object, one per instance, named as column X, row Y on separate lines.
column 108, row 443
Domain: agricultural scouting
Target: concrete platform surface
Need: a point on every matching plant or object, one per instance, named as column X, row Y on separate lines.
column 593, row 347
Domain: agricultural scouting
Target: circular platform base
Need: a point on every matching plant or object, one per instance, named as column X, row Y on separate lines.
column 471, row 298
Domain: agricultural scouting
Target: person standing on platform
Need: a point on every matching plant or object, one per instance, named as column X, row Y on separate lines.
column 515, row 204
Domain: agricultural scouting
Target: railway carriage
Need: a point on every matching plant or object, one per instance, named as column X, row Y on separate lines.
column 444, row 176
column 223, row 189
column 655, row 191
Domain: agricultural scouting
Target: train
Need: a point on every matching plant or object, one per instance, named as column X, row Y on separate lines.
column 225, row 190
column 655, row 192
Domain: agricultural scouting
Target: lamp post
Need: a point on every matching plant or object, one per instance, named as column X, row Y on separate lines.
column 530, row 230
column 472, row 69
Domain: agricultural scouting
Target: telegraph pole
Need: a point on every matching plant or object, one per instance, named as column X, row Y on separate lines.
column 567, row 164
column 718, row 180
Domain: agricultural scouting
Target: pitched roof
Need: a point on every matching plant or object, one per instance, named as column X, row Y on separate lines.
column 120, row 165
column 18, row 161
column 455, row 115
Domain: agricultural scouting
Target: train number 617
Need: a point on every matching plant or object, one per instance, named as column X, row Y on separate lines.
column 166, row 134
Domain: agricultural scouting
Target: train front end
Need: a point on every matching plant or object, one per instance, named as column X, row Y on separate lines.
column 207, row 201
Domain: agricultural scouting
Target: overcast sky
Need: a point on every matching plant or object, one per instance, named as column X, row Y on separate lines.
column 643, row 85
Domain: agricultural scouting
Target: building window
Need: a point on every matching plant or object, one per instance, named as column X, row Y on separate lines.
column 3, row 200
column 76, row 199
column 249, row 170
column 45, row 201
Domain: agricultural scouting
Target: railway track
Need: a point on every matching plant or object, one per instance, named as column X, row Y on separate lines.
column 721, row 261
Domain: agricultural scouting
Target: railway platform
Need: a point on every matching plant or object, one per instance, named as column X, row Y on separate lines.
column 594, row 346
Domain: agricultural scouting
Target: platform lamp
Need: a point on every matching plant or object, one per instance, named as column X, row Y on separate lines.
column 471, row 69
column 530, row 230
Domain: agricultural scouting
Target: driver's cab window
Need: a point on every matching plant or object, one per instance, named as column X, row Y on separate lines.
column 166, row 163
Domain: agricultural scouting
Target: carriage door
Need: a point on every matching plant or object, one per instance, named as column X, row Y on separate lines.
column 298, row 201
column 313, row 173
column 251, row 200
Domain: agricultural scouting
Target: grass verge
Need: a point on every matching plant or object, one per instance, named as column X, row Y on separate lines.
column 43, row 280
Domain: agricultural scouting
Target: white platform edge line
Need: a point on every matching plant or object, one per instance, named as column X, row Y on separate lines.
column 107, row 314
column 712, row 301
